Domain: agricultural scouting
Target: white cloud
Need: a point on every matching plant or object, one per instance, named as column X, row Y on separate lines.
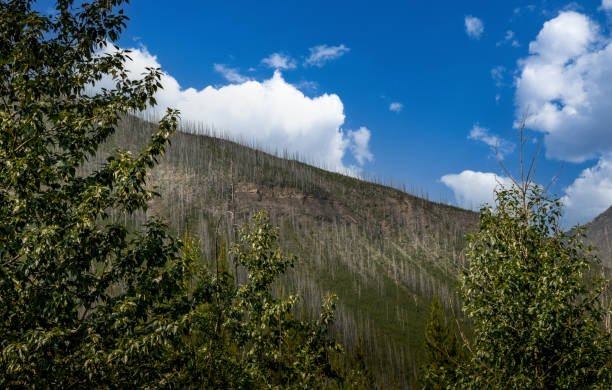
column 396, row 107
column 497, row 74
column 587, row 197
column 590, row 194
column 473, row 27
column 509, row 38
column 563, row 38
column 473, row 189
column 321, row 54
column 279, row 61
column 360, row 144
column 565, row 86
column 606, row 5
column 231, row 74
column 273, row 113
column 499, row 146
column 520, row 10
column 307, row 85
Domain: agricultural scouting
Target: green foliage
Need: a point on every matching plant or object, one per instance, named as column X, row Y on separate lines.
column 247, row 338
column 359, row 376
column 443, row 351
column 533, row 296
column 277, row 348
column 85, row 302
column 383, row 252
column 81, row 301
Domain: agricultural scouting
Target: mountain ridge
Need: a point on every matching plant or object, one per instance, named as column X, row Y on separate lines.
column 384, row 252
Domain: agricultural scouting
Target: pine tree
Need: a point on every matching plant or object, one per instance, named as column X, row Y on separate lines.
column 360, row 376
column 442, row 349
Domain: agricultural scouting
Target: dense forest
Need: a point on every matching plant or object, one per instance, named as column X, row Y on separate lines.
column 141, row 253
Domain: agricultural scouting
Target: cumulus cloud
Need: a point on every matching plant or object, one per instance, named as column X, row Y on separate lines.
column 273, row 113
column 606, row 5
column 396, row 107
column 473, row 189
column 320, row 55
column 473, row 27
column 590, row 194
column 279, row 61
column 230, row 74
column 498, row 145
column 360, row 144
column 565, row 86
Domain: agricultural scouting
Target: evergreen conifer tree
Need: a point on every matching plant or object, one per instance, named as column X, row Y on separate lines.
column 442, row 349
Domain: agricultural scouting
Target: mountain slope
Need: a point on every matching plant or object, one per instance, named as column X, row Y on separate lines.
column 599, row 233
column 384, row 252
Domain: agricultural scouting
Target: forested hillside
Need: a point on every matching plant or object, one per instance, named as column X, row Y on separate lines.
column 388, row 290
column 385, row 252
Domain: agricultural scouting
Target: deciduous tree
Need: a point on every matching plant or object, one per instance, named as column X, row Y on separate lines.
column 533, row 294
column 86, row 302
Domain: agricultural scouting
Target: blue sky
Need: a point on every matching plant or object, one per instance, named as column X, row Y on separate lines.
column 458, row 75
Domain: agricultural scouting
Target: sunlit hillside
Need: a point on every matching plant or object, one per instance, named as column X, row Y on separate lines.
column 384, row 252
